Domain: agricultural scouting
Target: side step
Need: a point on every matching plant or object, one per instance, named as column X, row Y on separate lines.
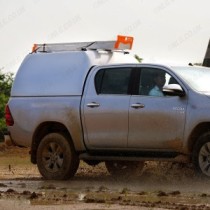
column 178, row 158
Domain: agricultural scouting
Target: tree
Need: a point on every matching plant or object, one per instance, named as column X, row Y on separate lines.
column 6, row 80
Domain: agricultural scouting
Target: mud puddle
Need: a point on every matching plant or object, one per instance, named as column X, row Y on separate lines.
column 108, row 192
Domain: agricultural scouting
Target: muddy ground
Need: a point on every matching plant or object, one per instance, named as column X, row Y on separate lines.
column 161, row 185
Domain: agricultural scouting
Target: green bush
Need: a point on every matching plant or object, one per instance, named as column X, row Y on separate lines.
column 6, row 80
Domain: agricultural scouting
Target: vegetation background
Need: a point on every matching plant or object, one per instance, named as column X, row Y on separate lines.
column 6, row 80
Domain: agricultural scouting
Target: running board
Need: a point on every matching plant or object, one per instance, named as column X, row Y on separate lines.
column 178, row 158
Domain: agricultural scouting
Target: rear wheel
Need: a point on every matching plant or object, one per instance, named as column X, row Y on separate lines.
column 201, row 155
column 124, row 168
column 56, row 158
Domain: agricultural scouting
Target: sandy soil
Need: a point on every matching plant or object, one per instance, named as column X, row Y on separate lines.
column 160, row 186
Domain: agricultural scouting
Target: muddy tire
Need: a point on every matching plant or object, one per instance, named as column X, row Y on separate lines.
column 124, row 168
column 201, row 155
column 56, row 158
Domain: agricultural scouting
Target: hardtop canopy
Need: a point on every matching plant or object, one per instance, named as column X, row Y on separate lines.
column 60, row 73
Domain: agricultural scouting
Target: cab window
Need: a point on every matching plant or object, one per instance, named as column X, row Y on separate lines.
column 112, row 81
column 152, row 81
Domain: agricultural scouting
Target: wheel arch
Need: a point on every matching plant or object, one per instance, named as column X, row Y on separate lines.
column 196, row 133
column 42, row 130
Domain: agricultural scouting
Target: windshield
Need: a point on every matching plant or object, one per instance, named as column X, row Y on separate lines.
column 198, row 78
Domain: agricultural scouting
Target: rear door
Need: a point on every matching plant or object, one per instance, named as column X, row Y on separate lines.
column 105, row 107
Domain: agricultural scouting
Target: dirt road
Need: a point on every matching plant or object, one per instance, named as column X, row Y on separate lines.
column 160, row 186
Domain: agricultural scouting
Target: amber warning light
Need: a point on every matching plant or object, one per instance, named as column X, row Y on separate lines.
column 34, row 48
column 124, row 40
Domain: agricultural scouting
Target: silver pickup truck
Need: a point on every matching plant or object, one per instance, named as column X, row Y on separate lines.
column 96, row 104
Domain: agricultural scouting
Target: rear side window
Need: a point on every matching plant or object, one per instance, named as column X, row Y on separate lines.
column 112, row 81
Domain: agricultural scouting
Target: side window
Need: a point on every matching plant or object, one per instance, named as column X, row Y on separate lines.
column 112, row 81
column 152, row 81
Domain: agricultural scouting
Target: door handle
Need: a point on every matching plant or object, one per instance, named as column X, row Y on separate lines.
column 137, row 106
column 93, row 104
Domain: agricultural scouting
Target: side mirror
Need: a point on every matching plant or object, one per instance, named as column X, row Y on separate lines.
column 173, row 90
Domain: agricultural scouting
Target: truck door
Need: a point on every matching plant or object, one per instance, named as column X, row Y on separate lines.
column 156, row 121
column 105, row 107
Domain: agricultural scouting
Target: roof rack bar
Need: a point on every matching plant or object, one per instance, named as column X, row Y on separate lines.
column 78, row 46
column 74, row 46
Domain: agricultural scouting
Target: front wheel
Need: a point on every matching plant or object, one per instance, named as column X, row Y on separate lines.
column 201, row 155
column 124, row 168
column 56, row 158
